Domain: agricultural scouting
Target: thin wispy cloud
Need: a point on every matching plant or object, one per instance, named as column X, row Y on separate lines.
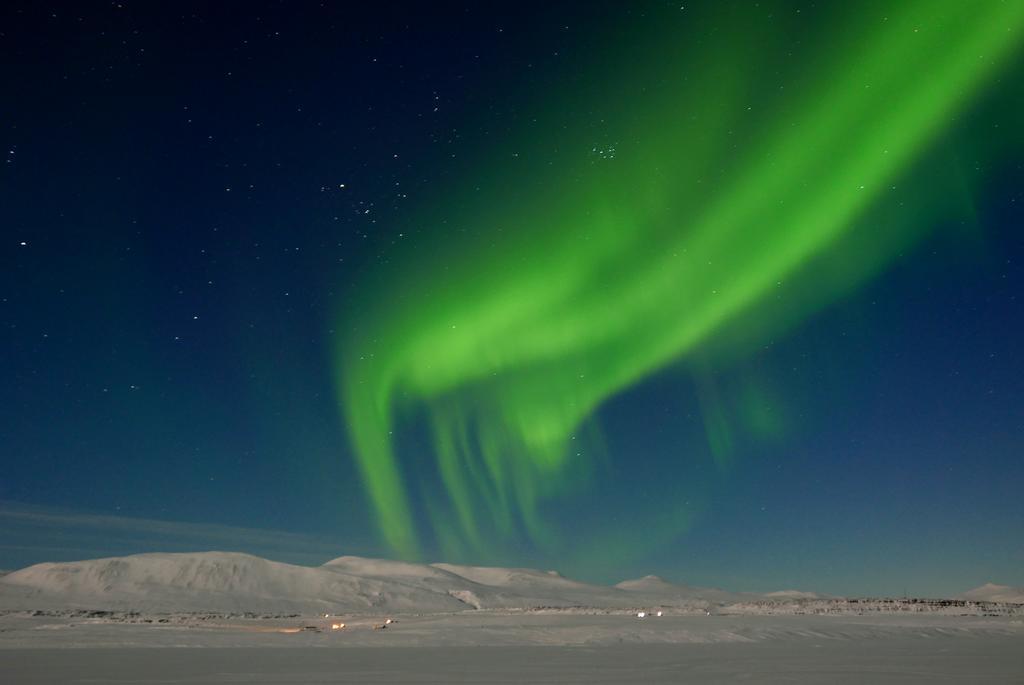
column 31, row 534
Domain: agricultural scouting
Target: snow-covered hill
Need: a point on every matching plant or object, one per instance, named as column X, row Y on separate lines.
column 655, row 587
column 996, row 593
column 232, row 582
column 792, row 594
column 223, row 581
column 524, row 587
column 211, row 581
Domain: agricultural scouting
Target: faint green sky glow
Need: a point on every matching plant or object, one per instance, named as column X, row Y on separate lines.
column 623, row 257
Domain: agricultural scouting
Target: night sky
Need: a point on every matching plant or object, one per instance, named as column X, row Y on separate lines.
column 729, row 293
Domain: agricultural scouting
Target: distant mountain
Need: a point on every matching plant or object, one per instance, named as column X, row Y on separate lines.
column 483, row 587
column 519, row 587
column 792, row 594
column 232, row 582
column 996, row 593
column 653, row 586
column 647, row 584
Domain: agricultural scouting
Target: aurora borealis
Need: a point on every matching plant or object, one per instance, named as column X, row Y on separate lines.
column 728, row 292
column 697, row 218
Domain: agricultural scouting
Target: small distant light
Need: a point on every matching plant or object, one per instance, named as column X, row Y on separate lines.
column 23, row 243
column 641, row 614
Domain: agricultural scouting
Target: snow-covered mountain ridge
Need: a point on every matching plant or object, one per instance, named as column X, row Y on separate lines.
column 234, row 582
column 228, row 581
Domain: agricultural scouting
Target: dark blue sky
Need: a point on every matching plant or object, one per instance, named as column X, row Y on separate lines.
column 176, row 242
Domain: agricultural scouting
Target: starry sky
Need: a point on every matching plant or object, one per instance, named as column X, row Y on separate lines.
column 726, row 292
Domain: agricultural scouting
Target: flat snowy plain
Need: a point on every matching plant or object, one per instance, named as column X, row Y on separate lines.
column 115, row 621
column 514, row 647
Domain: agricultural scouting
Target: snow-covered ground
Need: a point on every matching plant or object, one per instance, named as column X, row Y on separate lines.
column 491, row 628
column 504, row 647
column 144, row 619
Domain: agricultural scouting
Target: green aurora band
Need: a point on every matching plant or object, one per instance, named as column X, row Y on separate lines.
column 717, row 189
